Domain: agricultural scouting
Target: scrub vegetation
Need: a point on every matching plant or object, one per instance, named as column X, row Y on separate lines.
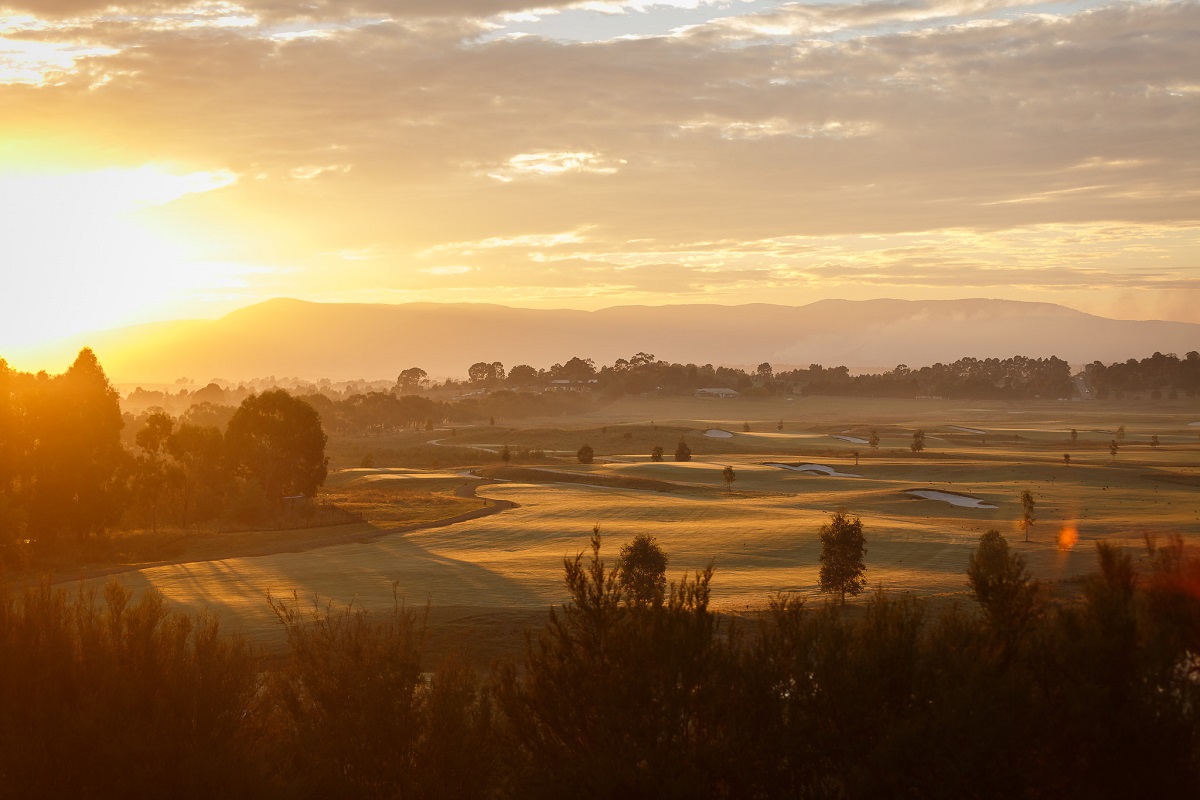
column 633, row 687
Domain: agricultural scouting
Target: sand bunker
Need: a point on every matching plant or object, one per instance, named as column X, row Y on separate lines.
column 716, row 433
column 812, row 469
column 966, row 430
column 949, row 497
column 1194, row 424
column 852, row 439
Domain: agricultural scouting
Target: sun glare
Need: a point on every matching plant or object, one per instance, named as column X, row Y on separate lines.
column 1068, row 536
column 77, row 257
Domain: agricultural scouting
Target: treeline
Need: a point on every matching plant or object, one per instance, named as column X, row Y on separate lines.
column 67, row 479
column 1155, row 377
column 1016, row 378
column 377, row 413
column 632, row 689
column 1013, row 378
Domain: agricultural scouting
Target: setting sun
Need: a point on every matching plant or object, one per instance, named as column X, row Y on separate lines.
column 84, row 257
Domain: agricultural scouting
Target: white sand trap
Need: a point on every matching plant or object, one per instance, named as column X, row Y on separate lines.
column 852, row 439
column 966, row 430
column 716, row 433
column 1194, row 424
column 948, row 497
column 812, row 469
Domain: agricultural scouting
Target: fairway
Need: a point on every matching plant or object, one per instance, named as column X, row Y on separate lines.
column 922, row 513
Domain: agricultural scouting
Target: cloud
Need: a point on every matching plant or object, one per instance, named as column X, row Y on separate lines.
column 757, row 153
column 545, row 165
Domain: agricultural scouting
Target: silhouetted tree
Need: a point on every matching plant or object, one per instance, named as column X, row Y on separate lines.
column 1113, row 447
column 411, row 379
column 1028, row 516
column 276, row 443
column 76, row 456
column 842, row 550
column 918, row 441
column 620, row 700
column 1074, row 436
column 585, row 454
column 506, row 455
column 682, row 451
column 729, row 477
column 873, row 441
column 1002, row 586
column 1154, row 441
column 1067, row 459
column 656, row 454
column 642, row 570
column 522, row 375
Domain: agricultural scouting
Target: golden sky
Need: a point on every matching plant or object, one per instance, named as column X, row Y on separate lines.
column 162, row 159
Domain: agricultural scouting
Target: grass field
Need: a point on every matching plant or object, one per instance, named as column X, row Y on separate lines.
column 481, row 575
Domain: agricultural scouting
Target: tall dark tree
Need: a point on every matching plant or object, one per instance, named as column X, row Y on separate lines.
column 729, row 476
column 656, row 454
column 276, row 443
column 585, row 454
column 842, row 550
column 77, row 458
column 873, row 441
column 918, row 441
column 682, row 451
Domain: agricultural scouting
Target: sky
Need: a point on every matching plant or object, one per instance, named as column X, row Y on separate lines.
column 163, row 159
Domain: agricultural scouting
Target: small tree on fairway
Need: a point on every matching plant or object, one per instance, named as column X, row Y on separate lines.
column 779, row 427
column 656, row 454
column 683, row 452
column 1121, row 434
column 842, row 551
column 1113, row 447
column 1027, row 512
column 505, row 454
column 746, row 427
column 1154, row 441
column 585, row 454
column 874, row 439
column 1074, row 436
column 918, row 441
column 729, row 477
column 1067, row 459
column 642, row 571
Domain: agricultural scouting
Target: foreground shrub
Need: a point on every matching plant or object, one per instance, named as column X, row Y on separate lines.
column 111, row 698
column 359, row 718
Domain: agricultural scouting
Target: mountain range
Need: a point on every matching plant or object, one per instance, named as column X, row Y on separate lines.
column 293, row 338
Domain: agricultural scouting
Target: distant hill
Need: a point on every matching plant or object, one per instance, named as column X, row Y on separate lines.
column 293, row 338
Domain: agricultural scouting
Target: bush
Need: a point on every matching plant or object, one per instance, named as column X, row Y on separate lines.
column 125, row 699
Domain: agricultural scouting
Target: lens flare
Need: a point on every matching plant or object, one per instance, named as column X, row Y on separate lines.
column 1068, row 536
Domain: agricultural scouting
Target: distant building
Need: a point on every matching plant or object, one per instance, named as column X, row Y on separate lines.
column 721, row 393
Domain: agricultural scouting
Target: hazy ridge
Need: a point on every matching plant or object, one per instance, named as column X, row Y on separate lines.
column 285, row 337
